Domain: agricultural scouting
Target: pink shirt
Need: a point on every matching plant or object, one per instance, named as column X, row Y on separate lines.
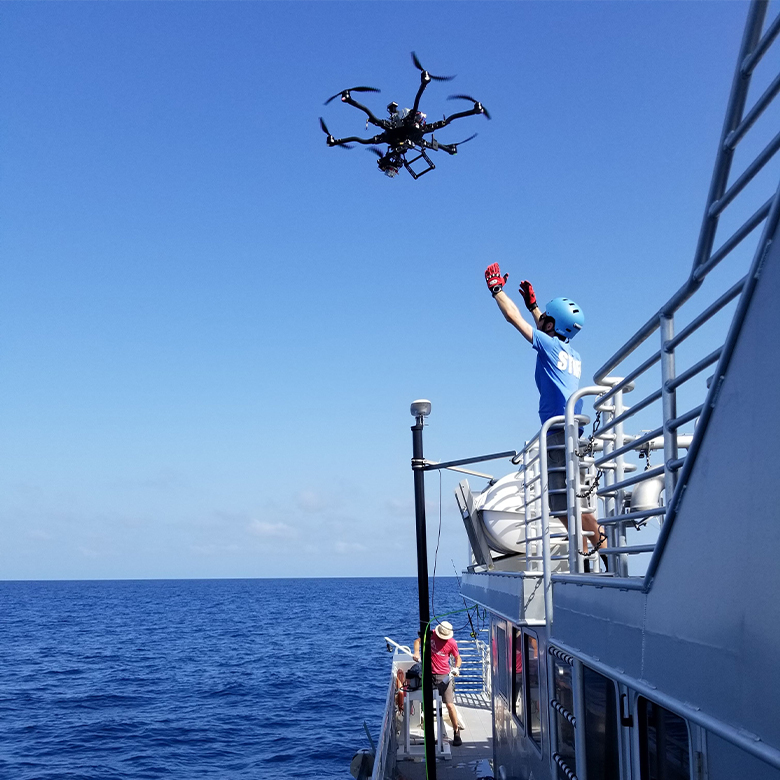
column 441, row 650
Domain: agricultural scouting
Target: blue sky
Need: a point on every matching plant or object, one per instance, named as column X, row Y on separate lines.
column 212, row 325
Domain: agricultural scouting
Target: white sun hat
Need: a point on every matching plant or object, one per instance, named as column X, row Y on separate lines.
column 444, row 630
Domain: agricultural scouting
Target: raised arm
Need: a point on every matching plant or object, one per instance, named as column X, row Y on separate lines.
column 529, row 297
column 495, row 283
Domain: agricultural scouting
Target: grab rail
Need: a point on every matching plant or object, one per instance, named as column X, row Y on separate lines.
column 723, row 193
column 385, row 757
column 670, row 381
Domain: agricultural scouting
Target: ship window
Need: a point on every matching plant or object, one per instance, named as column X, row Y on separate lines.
column 563, row 707
column 517, row 677
column 664, row 753
column 533, row 687
column 601, row 726
column 501, row 668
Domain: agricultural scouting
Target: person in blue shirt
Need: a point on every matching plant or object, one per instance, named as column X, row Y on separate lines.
column 557, row 375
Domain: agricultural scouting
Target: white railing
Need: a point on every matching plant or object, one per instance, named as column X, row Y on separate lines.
column 675, row 390
column 475, row 679
column 475, row 667
column 483, row 649
column 387, row 746
column 671, row 384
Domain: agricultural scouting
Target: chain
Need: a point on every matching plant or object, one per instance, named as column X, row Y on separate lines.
column 588, row 450
column 591, row 439
column 585, row 452
column 587, row 493
column 645, row 453
column 596, row 546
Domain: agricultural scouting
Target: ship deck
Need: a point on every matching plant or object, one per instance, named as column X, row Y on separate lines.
column 477, row 735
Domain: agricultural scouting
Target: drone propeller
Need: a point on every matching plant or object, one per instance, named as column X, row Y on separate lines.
column 353, row 89
column 465, row 140
column 422, row 70
column 375, row 150
column 476, row 103
column 331, row 139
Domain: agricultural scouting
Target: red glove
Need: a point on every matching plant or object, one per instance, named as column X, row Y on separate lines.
column 495, row 281
column 529, row 296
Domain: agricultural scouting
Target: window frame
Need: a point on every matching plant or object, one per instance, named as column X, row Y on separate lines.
column 618, row 724
column 517, row 635
column 541, row 672
column 637, row 741
column 499, row 674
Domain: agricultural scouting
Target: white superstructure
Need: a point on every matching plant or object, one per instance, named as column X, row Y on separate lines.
column 663, row 665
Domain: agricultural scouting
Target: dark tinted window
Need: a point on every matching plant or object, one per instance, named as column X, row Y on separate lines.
column 501, row 672
column 517, row 677
column 533, row 716
column 601, row 726
column 663, row 743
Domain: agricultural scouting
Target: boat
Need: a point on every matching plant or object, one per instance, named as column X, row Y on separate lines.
column 655, row 657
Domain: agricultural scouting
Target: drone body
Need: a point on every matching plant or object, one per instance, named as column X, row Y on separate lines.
column 404, row 131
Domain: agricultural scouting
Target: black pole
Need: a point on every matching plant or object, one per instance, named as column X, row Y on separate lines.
column 420, row 409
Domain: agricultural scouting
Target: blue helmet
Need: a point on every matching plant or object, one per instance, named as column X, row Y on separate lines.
column 567, row 315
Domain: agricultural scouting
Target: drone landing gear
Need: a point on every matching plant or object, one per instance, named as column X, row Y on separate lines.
column 421, row 156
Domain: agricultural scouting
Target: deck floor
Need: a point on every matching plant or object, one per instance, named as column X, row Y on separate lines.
column 477, row 735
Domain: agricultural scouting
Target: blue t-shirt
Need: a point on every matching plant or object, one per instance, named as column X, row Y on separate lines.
column 558, row 369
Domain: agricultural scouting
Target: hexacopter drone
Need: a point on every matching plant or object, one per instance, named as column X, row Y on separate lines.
column 403, row 131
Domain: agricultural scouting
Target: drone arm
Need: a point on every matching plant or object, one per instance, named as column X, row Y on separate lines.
column 377, row 139
column 449, row 148
column 444, row 122
column 423, row 84
column 371, row 118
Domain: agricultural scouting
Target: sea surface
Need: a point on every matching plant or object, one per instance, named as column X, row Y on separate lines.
column 228, row 679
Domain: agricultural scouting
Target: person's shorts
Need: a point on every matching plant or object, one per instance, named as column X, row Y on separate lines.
column 446, row 689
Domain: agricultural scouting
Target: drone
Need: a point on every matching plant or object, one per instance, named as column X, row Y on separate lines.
column 404, row 131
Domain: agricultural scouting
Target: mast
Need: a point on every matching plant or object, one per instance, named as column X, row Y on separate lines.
column 420, row 410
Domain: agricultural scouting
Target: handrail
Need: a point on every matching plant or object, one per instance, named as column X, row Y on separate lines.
column 728, row 349
column 402, row 648
column 623, row 499
column 722, row 193
column 734, row 113
column 386, row 743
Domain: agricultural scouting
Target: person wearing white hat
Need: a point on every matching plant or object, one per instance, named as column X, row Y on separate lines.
column 443, row 645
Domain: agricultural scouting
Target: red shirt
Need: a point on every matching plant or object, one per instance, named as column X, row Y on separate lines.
column 441, row 650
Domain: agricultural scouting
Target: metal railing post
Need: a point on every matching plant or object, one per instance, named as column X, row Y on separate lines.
column 526, row 516
column 669, row 404
column 532, row 514
column 573, row 509
column 621, row 564
column 545, row 494
column 609, row 442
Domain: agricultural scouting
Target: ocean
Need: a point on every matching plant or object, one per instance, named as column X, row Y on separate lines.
column 227, row 679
